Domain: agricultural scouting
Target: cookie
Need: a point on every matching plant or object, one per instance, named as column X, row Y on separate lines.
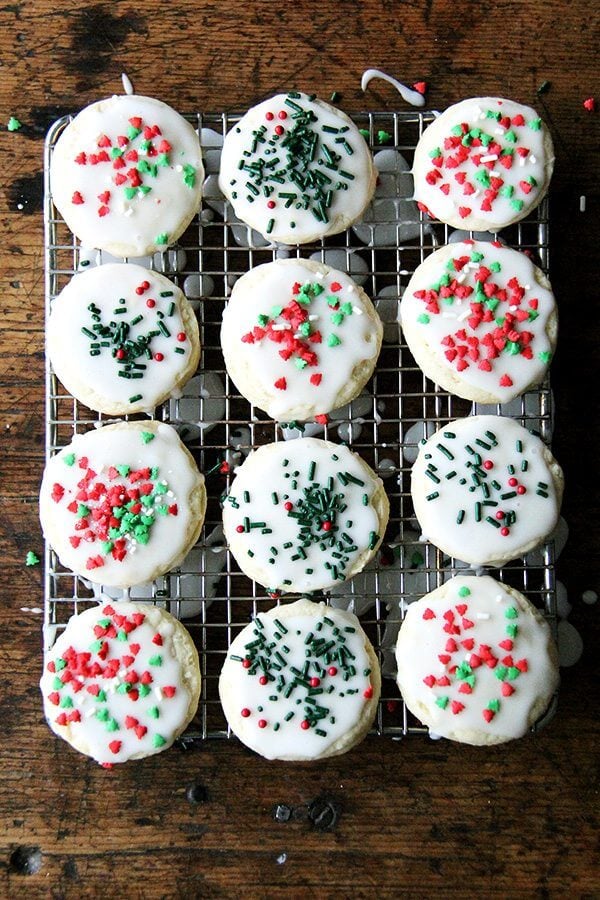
column 296, row 169
column 485, row 490
column 122, row 504
column 121, row 682
column 301, row 682
column 476, row 661
column 126, row 175
column 303, row 515
column 480, row 320
column 122, row 339
column 299, row 338
column 483, row 164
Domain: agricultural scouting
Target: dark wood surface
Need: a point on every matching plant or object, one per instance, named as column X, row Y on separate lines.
column 389, row 819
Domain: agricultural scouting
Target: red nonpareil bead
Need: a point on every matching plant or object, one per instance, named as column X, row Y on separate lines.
column 263, row 679
column 282, row 114
column 488, row 464
column 246, row 663
column 288, row 505
column 332, row 670
column 505, row 531
column 159, row 357
column 271, row 204
column 239, row 529
column 262, row 723
column 326, row 526
column 305, row 724
column 521, row 489
column 245, row 712
column 315, row 682
column 120, row 354
column 181, row 337
column 512, row 482
column 279, row 130
column 269, row 116
column 150, row 303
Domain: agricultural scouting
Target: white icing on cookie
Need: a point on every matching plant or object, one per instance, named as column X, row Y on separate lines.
column 299, row 338
column 304, row 514
column 126, row 175
column 480, row 320
column 484, row 163
column 115, row 683
column 121, row 338
column 296, row 169
column 476, row 661
column 122, row 504
column 485, row 490
column 300, row 683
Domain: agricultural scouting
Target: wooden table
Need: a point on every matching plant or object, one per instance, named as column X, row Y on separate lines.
column 416, row 818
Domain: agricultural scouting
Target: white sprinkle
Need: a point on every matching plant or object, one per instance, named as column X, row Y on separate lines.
column 527, row 287
column 589, row 597
column 482, row 616
column 281, row 859
column 350, row 289
column 489, row 158
column 128, row 211
column 582, row 203
column 357, row 311
column 464, row 315
column 498, row 130
column 461, row 277
column 157, row 692
column 313, row 318
column 320, row 275
column 532, row 158
column 285, row 326
column 179, row 168
column 499, row 598
column 521, row 161
column 32, row 609
column 122, row 673
column 91, row 712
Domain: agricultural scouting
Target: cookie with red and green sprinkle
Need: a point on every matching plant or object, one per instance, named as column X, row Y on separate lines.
column 122, row 338
column 480, row 319
column 304, row 515
column 483, row 163
column 485, row 490
column 476, row 661
column 299, row 338
column 121, row 682
column 301, row 682
column 126, row 175
column 296, row 169
column 122, row 504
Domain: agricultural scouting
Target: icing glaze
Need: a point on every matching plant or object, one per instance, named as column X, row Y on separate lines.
column 475, row 661
column 483, row 313
column 297, row 681
column 115, row 682
column 304, row 514
column 121, row 338
column 414, row 97
column 296, row 169
column 485, row 490
column 483, row 163
column 122, row 504
column 392, row 217
column 127, row 175
column 299, row 338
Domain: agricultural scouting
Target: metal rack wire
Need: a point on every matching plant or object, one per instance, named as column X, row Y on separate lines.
column 384, row 425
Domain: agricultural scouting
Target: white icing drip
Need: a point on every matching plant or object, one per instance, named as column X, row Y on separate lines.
column 392, row 216
column 127, row 85
column 411, row 96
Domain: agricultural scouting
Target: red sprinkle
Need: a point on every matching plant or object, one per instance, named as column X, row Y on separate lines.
column 368, row 693
column 77, row 199
column 590, row 104
column 262, row 723
column 420, row 86
column 245, row 712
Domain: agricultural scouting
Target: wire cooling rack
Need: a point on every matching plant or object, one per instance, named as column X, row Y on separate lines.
column 208, row 591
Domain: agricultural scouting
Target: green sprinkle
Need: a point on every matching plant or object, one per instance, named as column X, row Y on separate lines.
column 154, row 712
column 158, row 741
column 333, row 340
column 14, row 124
column 162, row 238
column 442, row 702
column 147, row 436
column 69, row 459
column 156, row 660
column 31, row 559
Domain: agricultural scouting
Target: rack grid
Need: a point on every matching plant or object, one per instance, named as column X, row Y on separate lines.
column 208, row 591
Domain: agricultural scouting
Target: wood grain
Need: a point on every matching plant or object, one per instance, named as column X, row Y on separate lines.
column 389, row 819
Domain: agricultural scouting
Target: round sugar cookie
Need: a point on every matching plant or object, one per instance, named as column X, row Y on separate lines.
column 122, row 338
column 483, row 163
column 485, row 490
column 476, row 661
column 299, row 338
column 122, row 504
column 121, row 682
column 480, row 320
column 296, row 169
column 304, row 515
column 126, row 175
column 301, row 682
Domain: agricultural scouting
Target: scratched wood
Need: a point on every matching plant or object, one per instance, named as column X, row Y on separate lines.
column 388, row 819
